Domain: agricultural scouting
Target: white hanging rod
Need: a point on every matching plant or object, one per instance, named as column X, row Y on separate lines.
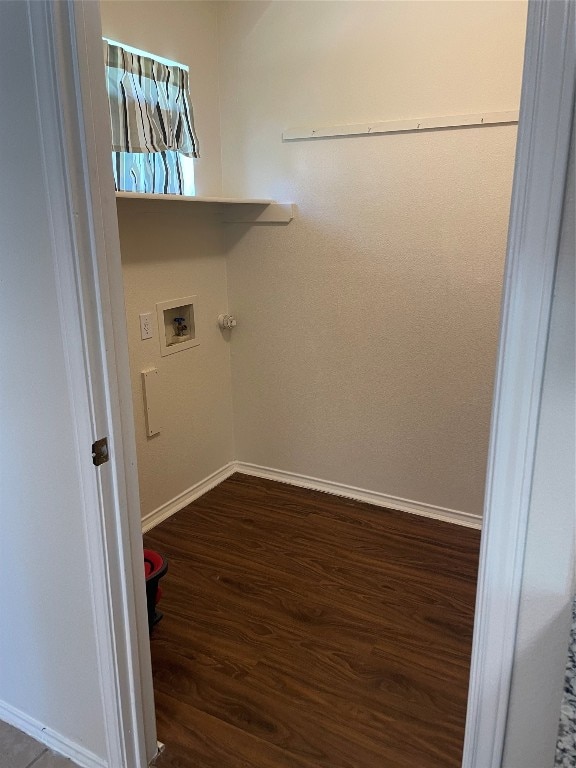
column 401, row 126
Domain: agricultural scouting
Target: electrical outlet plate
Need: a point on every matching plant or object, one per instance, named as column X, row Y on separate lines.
column 146, row 331
column 167, row 311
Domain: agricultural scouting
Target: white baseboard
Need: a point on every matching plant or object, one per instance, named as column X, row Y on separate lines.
column 313, row 483
column 183, row 499
column 50, row 738
column 359, row 494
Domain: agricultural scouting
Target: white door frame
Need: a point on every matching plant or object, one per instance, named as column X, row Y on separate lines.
column 75, row 130
column 95, row 288
column 544, row 129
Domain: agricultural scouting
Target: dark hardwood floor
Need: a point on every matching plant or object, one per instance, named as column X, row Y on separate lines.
column 302, row 630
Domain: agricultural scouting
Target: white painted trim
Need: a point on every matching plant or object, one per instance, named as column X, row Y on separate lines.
column 537, row 199
column 359, row 494
column 129, row 688
column 413, row 124
column 314, row 484
column 75, row 132
column 170, row 508
column 193, row 199
column 48, row 25
column 49, row 738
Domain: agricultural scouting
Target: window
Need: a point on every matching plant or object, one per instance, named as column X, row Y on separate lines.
column 153, row 139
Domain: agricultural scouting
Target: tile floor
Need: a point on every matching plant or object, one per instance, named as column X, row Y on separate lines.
column 17, row 750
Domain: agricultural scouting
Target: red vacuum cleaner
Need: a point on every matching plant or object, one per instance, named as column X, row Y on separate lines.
column 155, row 567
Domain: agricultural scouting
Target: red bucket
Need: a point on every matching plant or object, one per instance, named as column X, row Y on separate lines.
column 155, row 567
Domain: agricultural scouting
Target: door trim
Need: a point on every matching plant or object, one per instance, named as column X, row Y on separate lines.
column 75, row 134
column 537, row 198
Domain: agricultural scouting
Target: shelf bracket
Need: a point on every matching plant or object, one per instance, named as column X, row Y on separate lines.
column 274, row 213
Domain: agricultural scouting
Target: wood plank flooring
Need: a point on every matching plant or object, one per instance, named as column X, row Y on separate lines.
column 302, row 630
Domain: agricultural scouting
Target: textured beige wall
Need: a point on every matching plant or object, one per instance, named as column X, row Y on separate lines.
column 185, row 31
column 367, row 333
column 171, row 250
column 367, row 328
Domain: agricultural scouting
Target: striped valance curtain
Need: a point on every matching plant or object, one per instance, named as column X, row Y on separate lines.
column 151, row 119
column 149, row 172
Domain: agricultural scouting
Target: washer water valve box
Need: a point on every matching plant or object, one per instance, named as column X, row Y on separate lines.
column 177, row 324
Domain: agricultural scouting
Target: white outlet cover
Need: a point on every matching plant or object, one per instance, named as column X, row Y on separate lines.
column 146, row 331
